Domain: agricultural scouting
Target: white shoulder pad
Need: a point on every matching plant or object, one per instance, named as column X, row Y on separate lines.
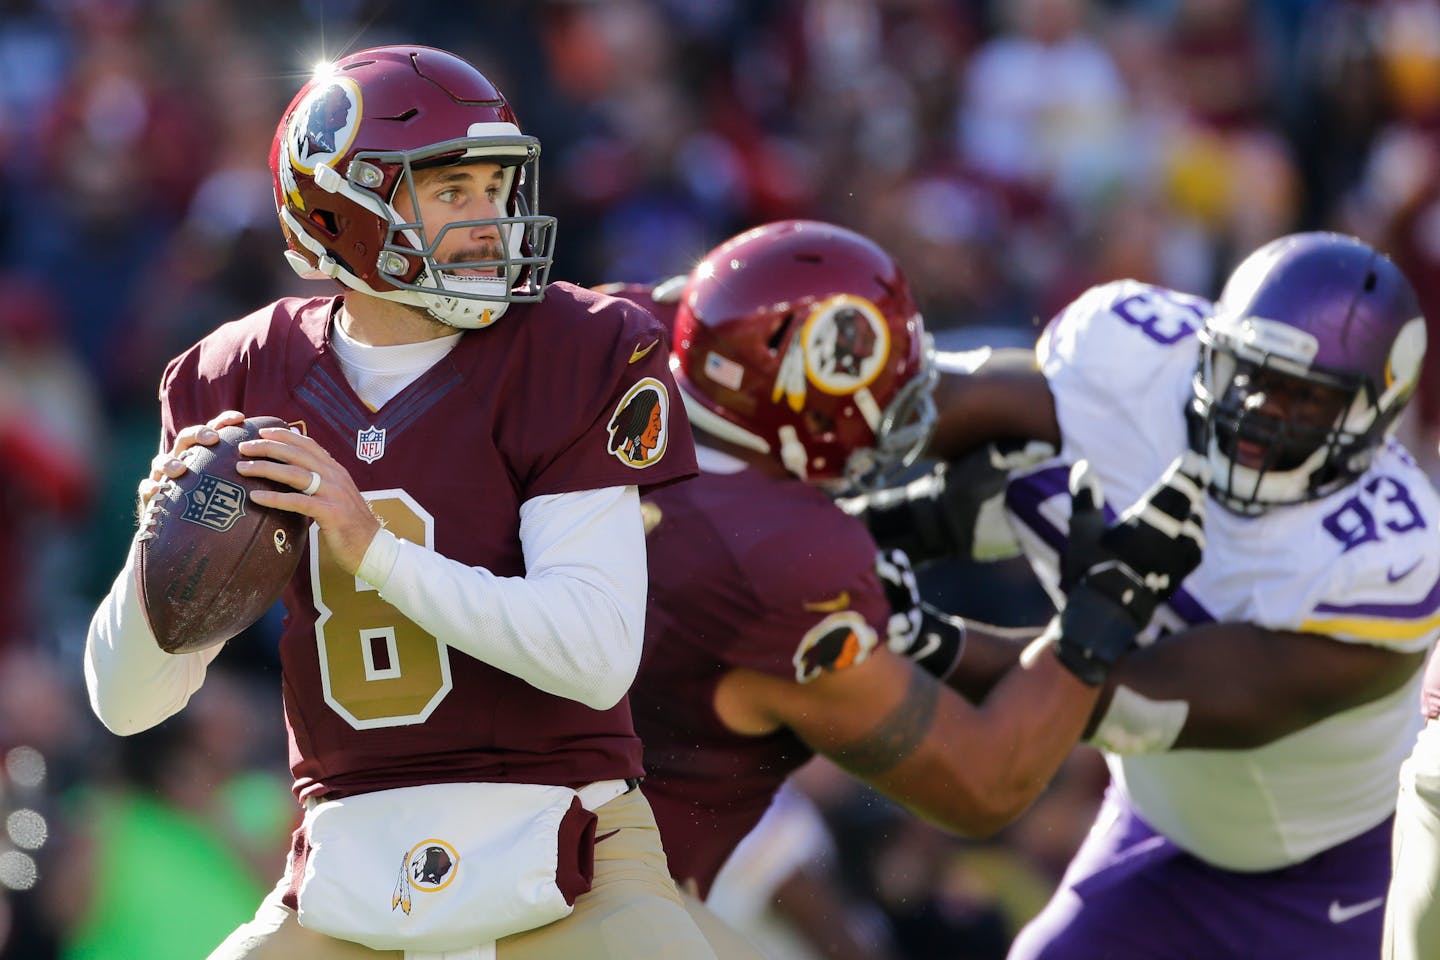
column 1383, row 585
column 1120, row 361
column 1121, row 329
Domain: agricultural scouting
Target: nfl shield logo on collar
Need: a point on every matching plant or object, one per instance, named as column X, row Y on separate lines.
column 370, row 444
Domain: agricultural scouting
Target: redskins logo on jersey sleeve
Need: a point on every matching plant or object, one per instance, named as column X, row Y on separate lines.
column 640, row 425
column 837, row 642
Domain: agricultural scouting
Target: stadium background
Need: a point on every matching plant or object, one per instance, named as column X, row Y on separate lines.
column 1008, row 153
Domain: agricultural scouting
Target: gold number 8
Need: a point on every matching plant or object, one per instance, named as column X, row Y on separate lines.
column 379, row 668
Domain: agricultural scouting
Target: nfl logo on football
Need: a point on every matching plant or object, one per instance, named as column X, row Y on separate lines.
column 370, row 444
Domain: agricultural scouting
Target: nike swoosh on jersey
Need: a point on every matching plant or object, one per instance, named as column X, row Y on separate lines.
column 840, row 602
column 640, row 353
column 1393, row 577
column 1344, row 914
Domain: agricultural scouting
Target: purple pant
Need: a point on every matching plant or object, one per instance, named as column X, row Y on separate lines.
column 1131, row 894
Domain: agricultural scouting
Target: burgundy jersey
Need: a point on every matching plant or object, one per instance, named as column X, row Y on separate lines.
column 573, row 393
column 747, row 571
column 644, row 295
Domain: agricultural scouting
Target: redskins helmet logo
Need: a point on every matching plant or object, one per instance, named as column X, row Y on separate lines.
column 428, row 867
column 839, row 641
column 640, row 426
column 324, row 124
column 846, row 344
column 841, row 348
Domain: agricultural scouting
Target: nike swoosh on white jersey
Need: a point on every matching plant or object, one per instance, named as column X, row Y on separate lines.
column 1393, row 577
column 1344, row 914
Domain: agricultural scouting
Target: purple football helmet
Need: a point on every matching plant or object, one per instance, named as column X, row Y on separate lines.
column 1311, row 353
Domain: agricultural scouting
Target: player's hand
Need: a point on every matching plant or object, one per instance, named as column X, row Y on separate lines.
column 168, row 466
column 333, row 500
column 1119, row 574
column 917, row 630
column 1159, row 540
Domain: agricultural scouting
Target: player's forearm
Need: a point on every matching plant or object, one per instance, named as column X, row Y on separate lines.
column 990, row 652
column 979, row 769
column 573, row 626
column 132, row 683
column 1031, row 722
column 1005, row 397
column 1214, row 687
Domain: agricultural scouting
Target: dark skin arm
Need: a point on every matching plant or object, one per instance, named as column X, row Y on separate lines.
column 1006, row 397
column 1248, row 686
column 989, row 653
column 968, row 769
column 1227, row 673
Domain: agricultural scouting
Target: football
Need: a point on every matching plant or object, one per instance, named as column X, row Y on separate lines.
column 214, row 561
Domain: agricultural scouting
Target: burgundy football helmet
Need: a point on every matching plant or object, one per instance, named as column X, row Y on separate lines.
column 801, row 340
column 1334, row 327
column 355, row 132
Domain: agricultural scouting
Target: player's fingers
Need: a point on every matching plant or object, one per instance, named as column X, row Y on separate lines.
column 292, row 438
column 1160, row 512
column 295, row 502
column 1085, row 492
column 1177, row 500
column 271, row 448
column 166, row 465
column 1195, row 525
column 201, row 434
column 1196, row 467
column 226, row 419
column 294, row 475
column 148, row 489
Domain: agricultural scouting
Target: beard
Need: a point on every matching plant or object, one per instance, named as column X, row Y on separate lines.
column 486, row 252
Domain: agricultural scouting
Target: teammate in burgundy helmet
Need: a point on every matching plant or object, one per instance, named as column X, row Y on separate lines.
column 775, row 631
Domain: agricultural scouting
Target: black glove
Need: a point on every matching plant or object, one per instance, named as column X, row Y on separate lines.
column 938, row 515
column 1116, row 576
column 917, row 630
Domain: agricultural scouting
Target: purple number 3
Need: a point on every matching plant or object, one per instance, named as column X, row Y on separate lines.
column 1354, row 523
column 1165, row 320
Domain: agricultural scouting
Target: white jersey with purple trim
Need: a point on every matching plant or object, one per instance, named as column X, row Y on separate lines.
column 1360, row 566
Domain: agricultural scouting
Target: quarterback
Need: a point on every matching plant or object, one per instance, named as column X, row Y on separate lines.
column 461, row 638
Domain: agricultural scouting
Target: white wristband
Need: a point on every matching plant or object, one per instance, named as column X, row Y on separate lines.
column 1136, row 724
column 379, row 559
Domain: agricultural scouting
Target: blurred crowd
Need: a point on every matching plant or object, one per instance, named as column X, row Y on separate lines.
column 1009, row 153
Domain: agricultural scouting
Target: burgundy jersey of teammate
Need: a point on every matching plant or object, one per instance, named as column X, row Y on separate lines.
column 570, row 394
column 643, row 294
column 747, row 571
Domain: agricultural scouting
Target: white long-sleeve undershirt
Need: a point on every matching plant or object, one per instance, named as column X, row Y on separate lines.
column 133, row 684
column 572, row 626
